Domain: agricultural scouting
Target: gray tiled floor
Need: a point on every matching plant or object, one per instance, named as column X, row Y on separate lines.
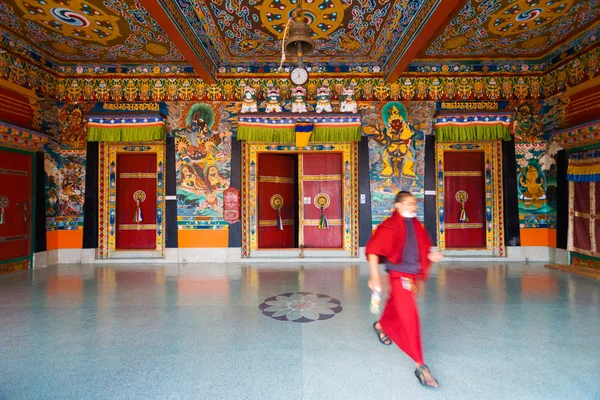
column 196, row 332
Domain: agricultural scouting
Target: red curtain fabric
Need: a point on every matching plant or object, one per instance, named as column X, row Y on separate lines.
column 584, row 226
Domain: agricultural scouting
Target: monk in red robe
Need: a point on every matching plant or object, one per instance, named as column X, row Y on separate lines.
column 402, row 244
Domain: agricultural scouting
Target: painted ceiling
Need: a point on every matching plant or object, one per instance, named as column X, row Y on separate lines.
column 236, row 32
column 79, row 31
column 520, row 29
column 245, row 35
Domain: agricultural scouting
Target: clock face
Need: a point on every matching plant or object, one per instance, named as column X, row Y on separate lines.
column 299, row 76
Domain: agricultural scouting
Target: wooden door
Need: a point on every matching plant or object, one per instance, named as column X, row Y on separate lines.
column 321, row 178
column 136, row 182
column 277, row 201
column 464, row 200
column 15, row 207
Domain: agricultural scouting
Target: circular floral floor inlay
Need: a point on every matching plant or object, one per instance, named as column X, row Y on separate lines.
column 300, row 307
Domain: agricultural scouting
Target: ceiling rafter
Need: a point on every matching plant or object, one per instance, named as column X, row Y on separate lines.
column 176, row 28
column 437, row 15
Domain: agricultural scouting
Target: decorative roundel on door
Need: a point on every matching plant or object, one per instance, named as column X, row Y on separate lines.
column 140, row 196
column 276, row 202
column 462, row 196
column 322, row 200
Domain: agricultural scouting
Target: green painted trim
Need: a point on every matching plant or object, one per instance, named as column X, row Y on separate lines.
column 584, row 256
column 584, row 148
column 14, row 260
column 12, row 150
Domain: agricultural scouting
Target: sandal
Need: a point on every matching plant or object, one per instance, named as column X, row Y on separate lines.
column 383, row 338
column 425, row 378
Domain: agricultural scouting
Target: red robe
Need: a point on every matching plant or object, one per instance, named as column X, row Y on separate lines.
column 389, row 238
column 400, row 318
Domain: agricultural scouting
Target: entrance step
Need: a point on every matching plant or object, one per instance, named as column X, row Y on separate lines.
column 297, row 253
column 129, row 254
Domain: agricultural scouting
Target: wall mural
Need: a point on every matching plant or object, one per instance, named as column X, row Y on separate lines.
column 203, row 155
column 536, row 169
column 64, row 164
column 396, row 153
column 65, row 188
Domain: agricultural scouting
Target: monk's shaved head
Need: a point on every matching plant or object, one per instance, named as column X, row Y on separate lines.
column 403, row 195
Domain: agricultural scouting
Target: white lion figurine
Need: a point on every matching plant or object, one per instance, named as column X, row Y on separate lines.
column 348, row 101
column 249, row 100
column 323, row 100
column 299, row 100
column 273, row 101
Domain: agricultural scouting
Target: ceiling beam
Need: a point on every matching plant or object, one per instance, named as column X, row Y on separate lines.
column 173, row 23
column 426, row 32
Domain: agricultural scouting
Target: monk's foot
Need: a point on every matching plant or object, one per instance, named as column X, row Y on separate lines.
column 425, row 377
column 383, row 338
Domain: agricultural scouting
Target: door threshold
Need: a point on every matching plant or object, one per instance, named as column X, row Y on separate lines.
column 301, row 253
column 141, row 253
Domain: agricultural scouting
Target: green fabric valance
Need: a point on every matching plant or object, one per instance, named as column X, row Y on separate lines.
column 473, row 132
column 461, row 128
column 102, row 129
column 282, row 129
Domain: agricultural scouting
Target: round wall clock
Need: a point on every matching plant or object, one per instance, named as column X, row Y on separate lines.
column 299, row 76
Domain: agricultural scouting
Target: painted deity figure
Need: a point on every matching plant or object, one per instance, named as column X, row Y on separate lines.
column 323, row 100
column 534, row 186
column 200, row 120
column 348, row 101
column 74, row 133
column 249, row 100
column 525, row 127
column 399, row 143
column 299, row 100
column 273, row 101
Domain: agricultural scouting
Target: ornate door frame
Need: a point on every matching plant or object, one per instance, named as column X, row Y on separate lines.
column 249, row 219
column 107, row 163
column 494, row 198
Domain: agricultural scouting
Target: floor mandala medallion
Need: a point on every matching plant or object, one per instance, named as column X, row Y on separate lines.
column 300, row 307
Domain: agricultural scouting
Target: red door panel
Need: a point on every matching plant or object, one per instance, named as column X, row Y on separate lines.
column 322, row 174
column 136, row 172
column 15, row 196
column 464, row 171
column 276, row 176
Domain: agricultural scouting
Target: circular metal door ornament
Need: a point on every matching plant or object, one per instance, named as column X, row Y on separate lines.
column 462, row 196
column 322, row 201
column 276, row 202
column 4, row 202
column 140, row 196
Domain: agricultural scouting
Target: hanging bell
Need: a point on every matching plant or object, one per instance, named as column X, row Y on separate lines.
column 298, row 41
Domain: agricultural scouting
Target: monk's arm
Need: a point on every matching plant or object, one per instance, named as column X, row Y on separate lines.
column 375, row 281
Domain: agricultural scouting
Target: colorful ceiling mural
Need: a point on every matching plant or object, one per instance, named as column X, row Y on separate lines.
column 344, row 32
column 517, row 29
column 229, row 38
column 82, row 31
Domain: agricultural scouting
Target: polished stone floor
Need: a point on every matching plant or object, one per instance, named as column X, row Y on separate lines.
column 243, row 332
